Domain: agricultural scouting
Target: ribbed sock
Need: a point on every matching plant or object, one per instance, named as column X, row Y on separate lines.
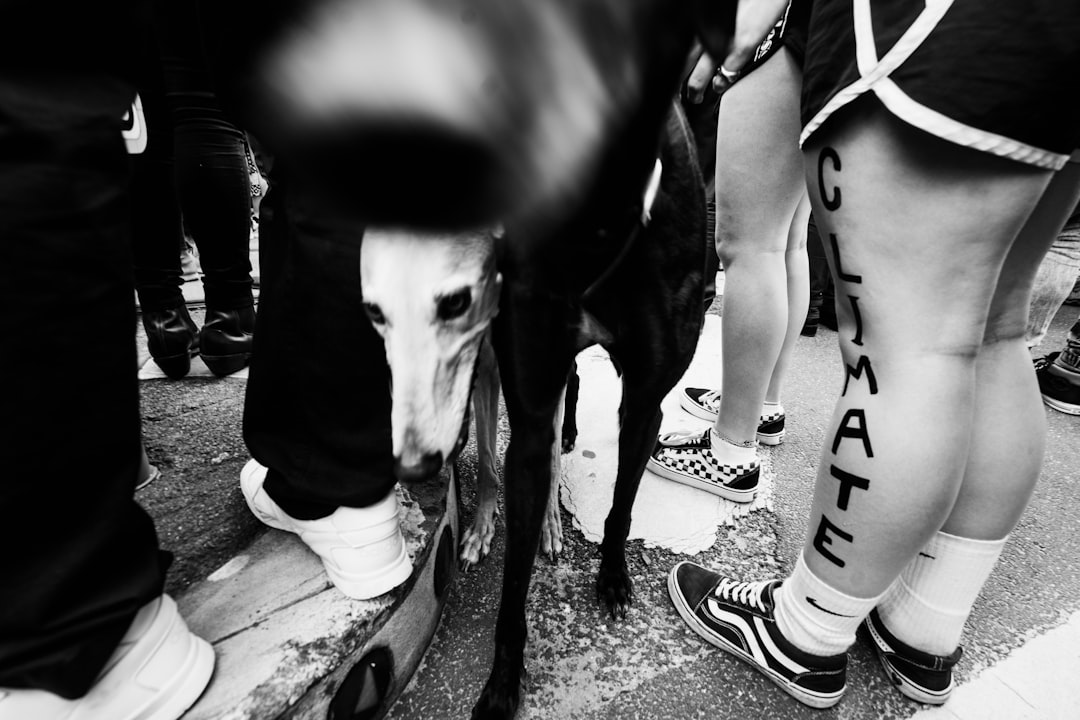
column 816, row 617
column 929, row 603
column 769, row 409
column 728, row 454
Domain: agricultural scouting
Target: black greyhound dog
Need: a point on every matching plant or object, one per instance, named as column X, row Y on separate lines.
column 433, row 296
column 639, row 293
column 547, row 115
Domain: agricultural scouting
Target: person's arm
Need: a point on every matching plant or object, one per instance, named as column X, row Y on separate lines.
column 753, row 20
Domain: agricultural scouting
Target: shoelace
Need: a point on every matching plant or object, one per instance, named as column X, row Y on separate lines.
column 676, row 438
column 1041, row 363
column 744, row 593
column 710, row 397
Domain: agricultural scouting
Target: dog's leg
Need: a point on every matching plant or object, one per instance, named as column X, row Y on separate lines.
column 551, row 535
column 534, row 357
column 476, row 542
column 569, row 421
column 639, row 417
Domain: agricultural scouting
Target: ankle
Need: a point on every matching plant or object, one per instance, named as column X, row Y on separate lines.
column 816, row 617
column 732, row 452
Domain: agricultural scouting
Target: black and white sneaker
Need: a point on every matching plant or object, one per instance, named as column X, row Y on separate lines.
column 705, row 404
column 1057, row 392
column 920, row 676
column 688, row 458
column 737, row 617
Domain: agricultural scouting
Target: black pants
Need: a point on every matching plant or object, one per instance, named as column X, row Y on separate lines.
column 821, row 285
column 317, row 410
column 79, row 555
column 195, row 164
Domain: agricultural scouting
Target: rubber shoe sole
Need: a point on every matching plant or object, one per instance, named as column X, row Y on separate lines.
column 362, row 549
column 159, row 670
column 690, row 463
column 904, row 665
column 758, row 646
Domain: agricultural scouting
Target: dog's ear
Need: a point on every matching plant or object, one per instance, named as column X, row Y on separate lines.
column 715, row 21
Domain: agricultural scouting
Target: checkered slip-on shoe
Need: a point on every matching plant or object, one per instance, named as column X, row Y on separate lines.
column 737, row 617
column 687, row 458
column 705, row 404
column 920, row 676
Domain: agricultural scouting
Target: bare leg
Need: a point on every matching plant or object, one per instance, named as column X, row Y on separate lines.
column 918, row 230
column 1008, row 429
column 798, row 297
column 759, row 184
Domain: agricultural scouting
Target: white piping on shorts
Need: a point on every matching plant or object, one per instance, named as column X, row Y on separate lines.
column 874, row 76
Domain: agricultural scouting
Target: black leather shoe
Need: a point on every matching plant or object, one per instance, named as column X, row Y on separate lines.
column 172, row 339
column 226, row 338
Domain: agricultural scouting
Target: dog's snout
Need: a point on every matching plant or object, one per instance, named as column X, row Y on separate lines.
column 427, row 466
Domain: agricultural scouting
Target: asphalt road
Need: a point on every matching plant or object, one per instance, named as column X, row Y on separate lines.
column 582, row 664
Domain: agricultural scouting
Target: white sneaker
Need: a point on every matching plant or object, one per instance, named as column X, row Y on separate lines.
column 362, row 549
column 157, row 672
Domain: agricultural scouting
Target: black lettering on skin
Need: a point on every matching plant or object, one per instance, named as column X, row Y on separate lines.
column 822, row 540
column 847, row 277
column 829, row 153
column 856, row 431
column 863, row 366
column 857, row 340
column 847, row 481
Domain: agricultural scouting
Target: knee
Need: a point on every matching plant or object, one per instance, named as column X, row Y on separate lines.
column 732, row 247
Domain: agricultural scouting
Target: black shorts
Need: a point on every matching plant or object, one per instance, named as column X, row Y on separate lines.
column 789, row 32
column 997, row 76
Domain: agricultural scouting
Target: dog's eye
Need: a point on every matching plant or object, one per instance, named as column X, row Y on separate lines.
column 455, row 304
column 374, row 313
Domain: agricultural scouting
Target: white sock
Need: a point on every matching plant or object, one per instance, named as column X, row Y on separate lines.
column 727, row 453
column 770, row 410
column 929, row 603
column 816, row 617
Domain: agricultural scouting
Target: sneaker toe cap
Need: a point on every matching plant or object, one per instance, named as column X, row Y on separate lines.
column 695, row 393
column 694, row 582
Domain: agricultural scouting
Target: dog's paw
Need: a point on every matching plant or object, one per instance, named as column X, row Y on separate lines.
column 569, row 440
column 476, row 544
column 551, row 536
column 496, row 702
column 615, row 591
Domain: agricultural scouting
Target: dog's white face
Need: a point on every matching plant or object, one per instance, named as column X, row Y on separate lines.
column 431, row 297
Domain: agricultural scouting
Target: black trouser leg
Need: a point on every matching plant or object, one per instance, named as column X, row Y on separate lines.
column 317, row 411
column 79, row 555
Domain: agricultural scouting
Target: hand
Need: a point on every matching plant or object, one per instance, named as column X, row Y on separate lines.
column 753, row 20
column 699, row 78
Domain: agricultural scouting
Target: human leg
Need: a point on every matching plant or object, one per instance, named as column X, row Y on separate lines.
column 917, row 625
column 213, row 188
column 157, row 229
column 798, row 294
column 95, row 575
column 893, row 465
column 758, row 188
column 1057, row 275
column 317, row 409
